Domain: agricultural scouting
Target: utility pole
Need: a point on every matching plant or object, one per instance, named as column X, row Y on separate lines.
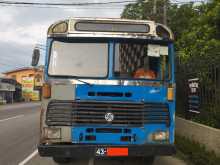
column 154, row 11
column 165, row 12
column 155, row 8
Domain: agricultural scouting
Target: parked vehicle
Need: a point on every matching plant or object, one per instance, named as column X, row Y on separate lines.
column 109, row 89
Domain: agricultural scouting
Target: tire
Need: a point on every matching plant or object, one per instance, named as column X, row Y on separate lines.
column 62, row 160
column 136, row 160
column 148, row 160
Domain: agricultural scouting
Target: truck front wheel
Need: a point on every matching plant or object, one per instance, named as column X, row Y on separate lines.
column 62, row 160
column 149, row 160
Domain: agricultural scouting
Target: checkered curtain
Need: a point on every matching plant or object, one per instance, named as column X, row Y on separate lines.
column 131, row 57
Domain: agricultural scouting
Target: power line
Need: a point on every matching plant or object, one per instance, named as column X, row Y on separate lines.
column 76, row 6
column 60, row 7
column 65, row 4
column 196, row 1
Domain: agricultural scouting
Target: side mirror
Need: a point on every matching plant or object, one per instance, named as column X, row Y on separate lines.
column 35, row 57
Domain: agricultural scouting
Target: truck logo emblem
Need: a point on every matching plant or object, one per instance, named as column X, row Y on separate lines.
column 109, row 117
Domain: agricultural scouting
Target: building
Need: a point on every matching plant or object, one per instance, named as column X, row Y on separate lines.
column 21, row 73
column 10, row 90
column 31, row 80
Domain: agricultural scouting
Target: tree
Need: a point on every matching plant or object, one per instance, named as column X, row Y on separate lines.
column 145, row 10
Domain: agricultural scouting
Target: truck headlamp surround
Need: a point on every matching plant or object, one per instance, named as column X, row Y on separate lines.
column 52, row 133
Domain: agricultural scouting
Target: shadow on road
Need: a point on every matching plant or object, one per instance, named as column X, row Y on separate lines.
column 160, row 160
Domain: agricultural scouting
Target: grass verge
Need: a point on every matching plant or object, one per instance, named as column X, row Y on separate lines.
column 195, row 153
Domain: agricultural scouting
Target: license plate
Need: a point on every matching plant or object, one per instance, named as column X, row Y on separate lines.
column 111, row 151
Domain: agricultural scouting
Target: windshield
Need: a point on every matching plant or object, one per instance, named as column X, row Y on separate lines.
column 132, row 60
column 78, row 59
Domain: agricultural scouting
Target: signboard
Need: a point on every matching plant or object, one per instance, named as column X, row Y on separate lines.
column 27, row 87
column 157, row 50
column 35, row 95
column 38, row 81
column 193, row 95
column 153, row 50
column 28, row 91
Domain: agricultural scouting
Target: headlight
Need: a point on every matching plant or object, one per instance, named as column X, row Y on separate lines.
column 52, row 133
column 160, row 136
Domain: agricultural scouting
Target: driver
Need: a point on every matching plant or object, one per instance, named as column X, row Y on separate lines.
column 145, row 72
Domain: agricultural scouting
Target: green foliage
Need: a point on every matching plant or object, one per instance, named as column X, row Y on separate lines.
column 195, row 152
column 133, row 11
column 200, row 37
column 179, row 18
column 142, row 10
column 209, row 117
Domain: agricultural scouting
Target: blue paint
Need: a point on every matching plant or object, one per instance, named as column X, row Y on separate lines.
column 142, row 135
column 111, row 60
column 172, row 122
column 172, row 61
column 138, row 93
column 172, row 105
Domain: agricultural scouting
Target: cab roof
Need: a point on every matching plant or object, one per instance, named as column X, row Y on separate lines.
column 110, row 28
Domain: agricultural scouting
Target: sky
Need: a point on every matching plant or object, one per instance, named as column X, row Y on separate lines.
column 21, row 28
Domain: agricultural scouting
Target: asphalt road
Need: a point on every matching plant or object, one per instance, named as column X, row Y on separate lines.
column 162, row 160
column 19, row 132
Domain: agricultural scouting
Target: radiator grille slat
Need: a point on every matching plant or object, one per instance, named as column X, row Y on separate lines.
column 67, row 113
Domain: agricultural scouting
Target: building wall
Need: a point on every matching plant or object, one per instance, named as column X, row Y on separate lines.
column 20, row 74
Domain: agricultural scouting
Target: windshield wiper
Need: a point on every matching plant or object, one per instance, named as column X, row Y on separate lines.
column 83, row 81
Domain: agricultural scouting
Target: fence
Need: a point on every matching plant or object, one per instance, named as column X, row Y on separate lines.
column 208, row 73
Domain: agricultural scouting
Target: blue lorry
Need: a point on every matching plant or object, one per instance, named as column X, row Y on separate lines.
column 109, row 89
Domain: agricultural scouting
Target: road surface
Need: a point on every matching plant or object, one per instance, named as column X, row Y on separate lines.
column 19, row 132
column 19, row 129
column 162, row 160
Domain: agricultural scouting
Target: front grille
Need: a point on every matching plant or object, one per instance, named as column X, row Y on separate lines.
column 69, row 113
